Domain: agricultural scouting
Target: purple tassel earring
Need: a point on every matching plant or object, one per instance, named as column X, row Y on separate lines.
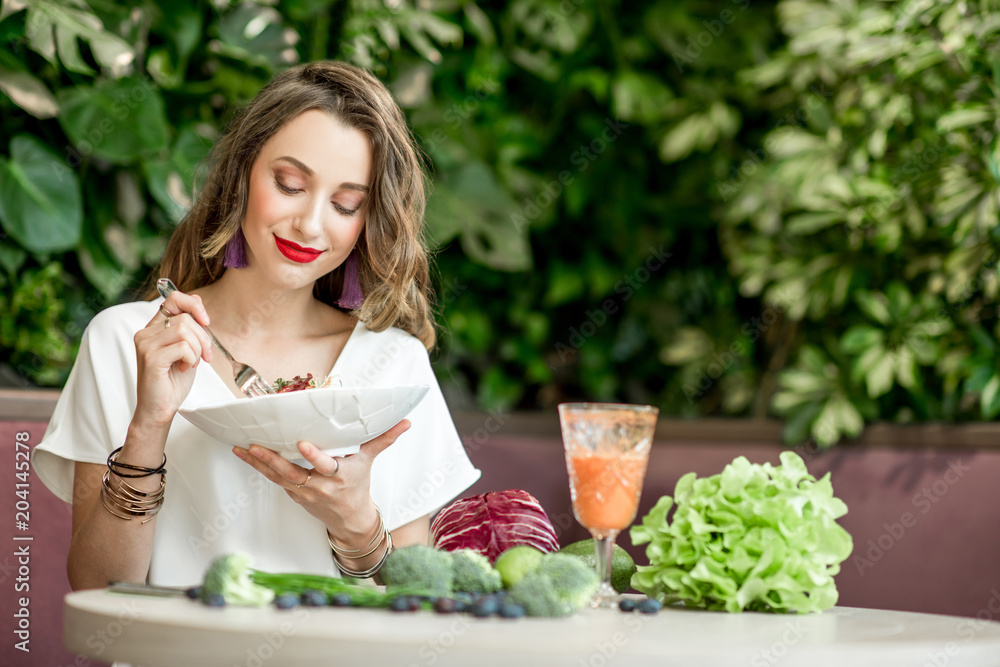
column 351, row 296
column 236, row 252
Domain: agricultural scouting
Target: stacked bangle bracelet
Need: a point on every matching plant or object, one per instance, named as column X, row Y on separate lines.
column 124, row 500
column 382, row 536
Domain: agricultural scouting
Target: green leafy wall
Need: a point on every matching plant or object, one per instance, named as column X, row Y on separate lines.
column 723, row 208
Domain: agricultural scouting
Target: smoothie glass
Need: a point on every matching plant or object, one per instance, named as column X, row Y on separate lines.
column 607, row 450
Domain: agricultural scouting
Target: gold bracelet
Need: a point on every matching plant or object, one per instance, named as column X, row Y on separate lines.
column 124, row 501
column 379, row 535
column 373, row 570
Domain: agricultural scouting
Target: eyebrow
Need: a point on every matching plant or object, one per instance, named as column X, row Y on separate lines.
column 298, row 164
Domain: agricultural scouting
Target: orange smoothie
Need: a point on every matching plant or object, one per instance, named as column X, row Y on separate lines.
column 605, row 488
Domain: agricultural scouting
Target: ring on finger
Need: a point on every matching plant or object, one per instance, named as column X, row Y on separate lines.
column 166, row 316
column 309, row 474
column 335, row 470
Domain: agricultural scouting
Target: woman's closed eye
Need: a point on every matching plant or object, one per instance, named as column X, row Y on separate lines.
column 345, row 211
column 288, row 190
column 292, row 191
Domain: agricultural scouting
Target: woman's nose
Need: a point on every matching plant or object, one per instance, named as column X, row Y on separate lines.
column 309, row 221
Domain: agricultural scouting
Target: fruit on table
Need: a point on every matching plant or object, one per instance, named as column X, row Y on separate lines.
column 622, row 565
column 516, row 562
column 649, row 606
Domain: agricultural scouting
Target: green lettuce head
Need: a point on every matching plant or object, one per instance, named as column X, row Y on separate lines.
column 754, row 537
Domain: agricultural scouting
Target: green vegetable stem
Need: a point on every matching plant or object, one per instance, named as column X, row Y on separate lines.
column 361, row 595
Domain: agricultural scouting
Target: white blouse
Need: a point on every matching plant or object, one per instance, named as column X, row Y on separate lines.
column 216, row 504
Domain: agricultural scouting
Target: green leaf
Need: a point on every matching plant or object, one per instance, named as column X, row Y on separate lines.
column 474, row 207
column 906, row 368
column 639, row 98
column 990, row 399
column 11, row 257
column 69, row 51
column 100, row 266
column 810, row 223
column 972, row 115
column 565, row 284
column 182, row 24
column 40, row 35
column 40, row 202
column 118, row 121
column 861, row 337
column 28, row 93
column 163, row 70
column 847, row 416
column 880, row 375
column 874, row 305
column 688, row 345
column 256, row 35
column 801, row 381
column 479, row 24
column 837, row 419
column 72, row 19
column 683, row 138
column 171, row 180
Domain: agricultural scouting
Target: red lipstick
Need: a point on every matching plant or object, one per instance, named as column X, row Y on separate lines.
column 295, row 252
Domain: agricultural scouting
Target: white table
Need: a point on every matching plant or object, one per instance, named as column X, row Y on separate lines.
column 170, row 631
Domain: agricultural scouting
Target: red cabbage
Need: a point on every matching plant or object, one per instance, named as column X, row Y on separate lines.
column 493, row 522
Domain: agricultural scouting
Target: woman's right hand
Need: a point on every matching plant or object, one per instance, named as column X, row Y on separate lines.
column 167, row 357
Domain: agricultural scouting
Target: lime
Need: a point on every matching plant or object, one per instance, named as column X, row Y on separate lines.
column 516, row 562
column 622, row 565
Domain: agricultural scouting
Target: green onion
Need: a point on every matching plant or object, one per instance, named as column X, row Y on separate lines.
column 361, row 596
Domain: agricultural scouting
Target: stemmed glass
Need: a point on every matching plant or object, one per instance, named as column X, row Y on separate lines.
column 607, row 450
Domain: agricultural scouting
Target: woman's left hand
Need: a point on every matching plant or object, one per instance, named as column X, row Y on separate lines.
column 337, row 488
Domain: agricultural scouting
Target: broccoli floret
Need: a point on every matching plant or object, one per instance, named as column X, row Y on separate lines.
column 229, row 576
column 419, row 566
column 537, row 594
column 559, row 585
column 574, row 581
column 473, row 572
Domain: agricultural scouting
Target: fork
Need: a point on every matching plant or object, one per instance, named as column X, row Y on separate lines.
column 247, row 379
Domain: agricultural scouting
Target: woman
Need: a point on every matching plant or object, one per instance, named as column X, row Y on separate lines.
column 303, row 251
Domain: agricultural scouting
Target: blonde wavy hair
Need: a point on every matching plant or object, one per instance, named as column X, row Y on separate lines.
column 392, row 257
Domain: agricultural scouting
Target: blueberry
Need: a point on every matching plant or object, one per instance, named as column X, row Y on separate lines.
column 446, row 606
column 400, row 603
column 486, row 606
column 286, row 601
column 341, row 600
column 413, row 603
column 649, row 606
column 314, row 598
column 193, row 593
column 511, row 610
column 215, row 600
column 627, row 604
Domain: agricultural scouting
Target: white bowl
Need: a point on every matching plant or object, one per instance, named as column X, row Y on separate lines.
column 336, row 419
